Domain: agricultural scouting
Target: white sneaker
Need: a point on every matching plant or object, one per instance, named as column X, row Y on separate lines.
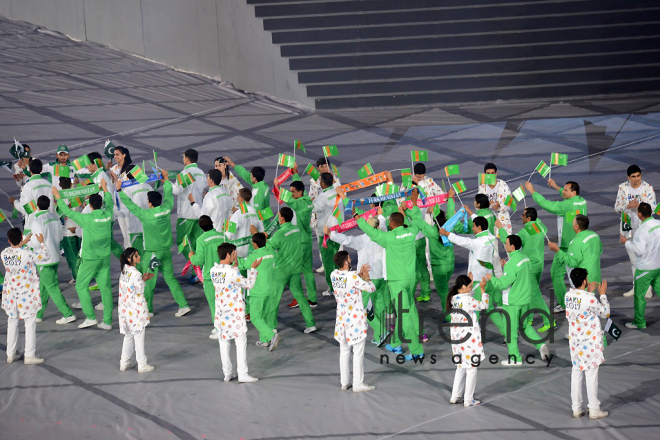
column 247, row 379
column 88, row 323
column 99, row 306
column 262, row 344
column 76, row 306
column 125, row 367
column 273, row 342
column 629, row 293
column 545, row 353
column 229, row 377
column 38, row 320
column 182, row 312
column 11, row 360
column 649, row 293
column 578, row 414
column 104, row 326
column 214, row 331
column 595, row 414
column 32, row 360
column 362, row 388
column 151, row 314
column 71, row 281
column 320, row 270
column 559, row 309
column 310, row 329
column 65, row 320
column 631, row 325
column 346, row 387
column 214, row 336
column 506, row 363
column 472, row 403
column 455, row 400
column 147, row 368
column 326, row 293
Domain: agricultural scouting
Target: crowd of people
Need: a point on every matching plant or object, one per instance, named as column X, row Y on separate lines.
column 245, row 255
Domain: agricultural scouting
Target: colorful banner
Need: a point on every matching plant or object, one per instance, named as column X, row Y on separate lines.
column 365, row 183
column 429, row 201
column 83, row 191
column 349, row 224
column 153, row 177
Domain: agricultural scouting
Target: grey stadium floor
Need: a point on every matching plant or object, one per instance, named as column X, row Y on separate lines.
column 56, row 91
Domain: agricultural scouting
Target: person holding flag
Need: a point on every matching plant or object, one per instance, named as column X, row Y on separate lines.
column 60, row 167
column 21, row 169
column 254, row 178
column 128, row 223
column 158, row 240
column 242, row 219
column 49, row 226
column 323, row 165
column 206, row 256
column 497, row 191
column 71, row 233
column 645, row 244
column 329, row 211
column 229, row 182
column 94, row 253
column 481, row 203
column 186, row 223
column 35, row 187
column 631, row 193
column 566, row 209
column 217, row 202
column 533, row 245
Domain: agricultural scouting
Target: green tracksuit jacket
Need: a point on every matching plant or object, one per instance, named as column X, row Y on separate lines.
column 584, row 252
column 399, row 245
column 532, row 245
column 264, row 284
column 260, row 190
column 287, row 242
column 155, row 221
column 517, row 278
column 96, row 227
column 206, row 252
column 566, row 209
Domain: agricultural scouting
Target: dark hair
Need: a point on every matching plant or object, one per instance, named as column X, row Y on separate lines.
column 126, row 256
column 582, row 222
column 65, row 182
column 419, row 168
column 27, row 148
column 574, row 187
column 578, row 275
column 441, row 219
column 645, row 210
column 191, row 155
column 377, row 203
column 340, row 259
column 322, row 161
column 298, row 185
column 215, row 176
column 531, row 213
column 490, row 166
column 396, row 218
column 481, row 222
column 155, row 198
column 245, row 194
column 36, row 166
column 43, row 202
column 93, row 156
column 223, row 160
column 259, row 239
column 205, row 223
column 128, row 162
column 327, row 179
column 632, row 169
column 15, row 235
column 461, row 281
column 224, row 249
column 96, row 201
column 482, row 201
column 286, row 213
column 515, row 241
column 258, row 173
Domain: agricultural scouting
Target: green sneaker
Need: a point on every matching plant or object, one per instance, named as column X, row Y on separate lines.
column 545, row 328
column 422, row 298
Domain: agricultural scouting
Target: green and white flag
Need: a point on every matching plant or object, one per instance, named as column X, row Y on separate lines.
column 109, row 149
column 487, row 179
column 184, row 243
column 81, row 162
column 330, row 150
column 519, row 193
column 452, row 170
column 486, row 264
column 17, row 149
column 154, row 263
column 313, row 172
column 511, row 202
column 559, row 159
column 459, row 186
column 365, row 171
column 543, row 169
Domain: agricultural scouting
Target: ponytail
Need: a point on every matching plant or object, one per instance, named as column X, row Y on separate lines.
column 440, row 219
column 461, row 281
column 126, row 256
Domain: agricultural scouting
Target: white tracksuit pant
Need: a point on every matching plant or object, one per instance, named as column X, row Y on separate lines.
column 358, row 363
column 465, row 381
column 30, row 336
column 592, row 388
column 241, row 356
column 133, row 342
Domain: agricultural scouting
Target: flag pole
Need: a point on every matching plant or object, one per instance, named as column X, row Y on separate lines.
column 7, row 218
column 530, row 176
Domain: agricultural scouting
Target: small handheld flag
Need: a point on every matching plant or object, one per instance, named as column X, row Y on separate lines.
column 365, row 171
column 78, row 201
column 243, row 207
column 265, row 214
column 109, row 149
column 154, row 263
column 656, row 211
column 337, row 214
column 459, row 186
column 17, row 149
column 313, row 172
column 543, row 169
column 62, row 171
column 559, row 159
column 30, row 207
column 297, row 145
column 229, row 227
column 510, row 201
column 519, row 193
column 6, row 165
column 99, row 164
column 335, row 171
column 81, row 162
column 287, row 161
column 419, row 156
column 386, row 188
column 487, row 179
column 532, row 228
column 625, row 218
column 330, row 150
column 2, row 217
column 139, row 174
column 570, row 216
column 406, row 177
column 184, row 243
column 182, row 179
column 285, row 195
column 486, row 264
column 452, row 170
column 612, row 329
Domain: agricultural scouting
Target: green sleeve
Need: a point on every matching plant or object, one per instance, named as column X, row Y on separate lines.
column 503, row 235
column 504, row 281
column 73, row 215
column 275, row 241
column 389, row 207
column 568, row 259
column 245, row 263
column 430, row 231
column 451, row 208
column 168, row 197
column 200, row 253
column 243, row 174
column 557, row 208
column 132, row 207
column 376, row 235
column 108, row 203
column 296, row 177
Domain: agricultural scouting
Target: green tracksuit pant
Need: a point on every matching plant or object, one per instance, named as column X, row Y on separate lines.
column 380, row 298
column 558, row 275
column 494, row 299
column 441, row 275
column 100, row 271
column 165, row 257
column 71, row 248
column 209, row 292
column 402, row 295
column 327, row 256
column 515, row 312
column 190, row 228
column 421, row 269
column 137, row 242
column 260, row 306
column 49, row 285
column 644, row 279
column 308, row 271
column 293, row 280
column 537, row 301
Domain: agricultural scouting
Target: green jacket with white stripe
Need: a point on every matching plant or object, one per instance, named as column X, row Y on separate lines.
column 584, row 252
column 516, row 283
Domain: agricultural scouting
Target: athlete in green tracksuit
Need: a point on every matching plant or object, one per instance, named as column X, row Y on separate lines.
column 262, row 294
column 399, row 245
column 568, row 208
column 584, row 250
column 94, row 253
column 206, row 255
column 287, row 270
column 158, row 241
column 517, row 280
column 482, row 204
column 534, row 247
column 302, row 205
column 254, row 178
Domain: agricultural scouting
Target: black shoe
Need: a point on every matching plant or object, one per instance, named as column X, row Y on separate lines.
column 313, row 304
